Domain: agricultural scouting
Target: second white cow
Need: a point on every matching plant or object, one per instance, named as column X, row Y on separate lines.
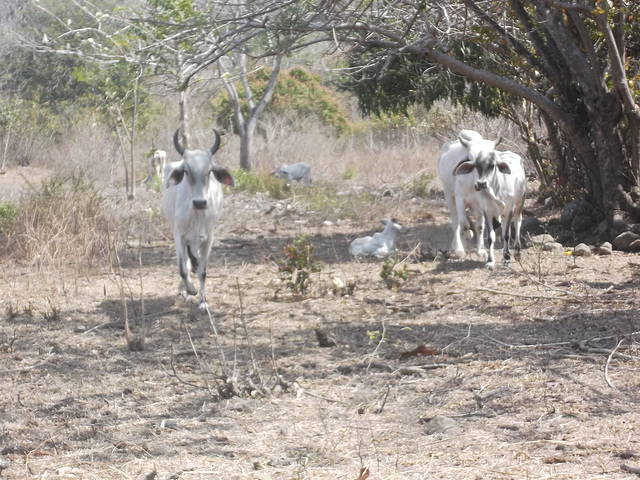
column 481, row 181
column 156, row 163
column 192, row 204
column 502, row 202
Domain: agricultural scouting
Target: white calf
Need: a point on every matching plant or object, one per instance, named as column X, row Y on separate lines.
column 192, row 203
column 297, row 171
column 382, row 244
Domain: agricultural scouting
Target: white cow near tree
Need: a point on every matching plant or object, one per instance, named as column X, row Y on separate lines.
column 489, row 185
column 155, row 163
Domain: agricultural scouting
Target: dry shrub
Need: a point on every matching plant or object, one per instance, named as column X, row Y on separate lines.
column 61, row 220
column 91, row 148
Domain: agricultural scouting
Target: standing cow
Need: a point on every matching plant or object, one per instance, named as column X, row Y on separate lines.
column 479, row 180
column 192, row 203
column 298, row 171
column 155, row 163
column 460, row 193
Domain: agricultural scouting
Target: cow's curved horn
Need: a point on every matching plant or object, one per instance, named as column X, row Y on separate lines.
column 216, row 145
column 176, row 142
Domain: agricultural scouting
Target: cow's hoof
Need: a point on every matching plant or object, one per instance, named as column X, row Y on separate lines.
column 204, row 306
column 482, row 253
column 189, row 299
column 490, row 266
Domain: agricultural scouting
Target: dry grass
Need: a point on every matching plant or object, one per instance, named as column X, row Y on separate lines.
column 537, row 365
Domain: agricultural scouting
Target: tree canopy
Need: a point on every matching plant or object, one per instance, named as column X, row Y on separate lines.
column 575, row 61
column 572, row 60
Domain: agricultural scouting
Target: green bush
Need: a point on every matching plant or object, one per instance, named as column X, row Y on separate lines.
column 421, row 185
column 8, row 217
column 297, row 92
column 393, row 274
column 256, row 181
column 298, row 263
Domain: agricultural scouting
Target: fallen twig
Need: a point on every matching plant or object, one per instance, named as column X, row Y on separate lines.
column 30, row 367
column 606, row 366
column 630, row 468
column 584, row 347
column 321, row 397
column 384, row 400
column 118, row 324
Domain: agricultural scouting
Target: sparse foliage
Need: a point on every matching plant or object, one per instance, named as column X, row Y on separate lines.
column 394, row 273
column 256, row 181
column 298, row 263
column 8, row 217
column 296, row 91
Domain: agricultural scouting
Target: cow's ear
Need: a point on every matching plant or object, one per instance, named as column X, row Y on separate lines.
column 464, row 168
column 223, row 176
column 503, row 167
column 175, row 177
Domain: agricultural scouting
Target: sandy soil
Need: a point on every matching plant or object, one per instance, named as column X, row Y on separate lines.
column 458, row 372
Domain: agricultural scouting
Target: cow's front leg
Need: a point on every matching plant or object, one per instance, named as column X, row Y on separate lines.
column 186, row 287
column 205, row 248
column 491, row 240
column 506, row 238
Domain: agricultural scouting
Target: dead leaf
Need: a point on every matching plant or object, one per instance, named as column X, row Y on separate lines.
column 420, row 350
column 364, row 473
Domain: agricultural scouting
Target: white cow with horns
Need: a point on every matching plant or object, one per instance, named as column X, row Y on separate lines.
column 480, row 181
column 192, row 203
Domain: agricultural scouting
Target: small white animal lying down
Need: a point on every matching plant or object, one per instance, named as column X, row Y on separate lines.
column 297, row 171
column 382, row 244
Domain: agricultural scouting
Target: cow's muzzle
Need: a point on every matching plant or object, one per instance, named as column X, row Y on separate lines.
column 480, row 186
column 200, row 204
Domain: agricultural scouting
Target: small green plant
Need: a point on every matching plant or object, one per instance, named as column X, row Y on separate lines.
column 349, row 173
column 298, row 264
column 377, row 336
column 394, row 274
column 156, row 184
column 8, row 217
column 53, row 314
column 421, row 185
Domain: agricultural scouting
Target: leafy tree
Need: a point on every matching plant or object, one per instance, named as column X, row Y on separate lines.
column 173, row 41
column 71, row 56
column 296, row 91
column 572, row 60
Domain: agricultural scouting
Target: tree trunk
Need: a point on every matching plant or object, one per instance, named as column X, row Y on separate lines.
column 184, row 118
column 245, row 144
column 246, row 126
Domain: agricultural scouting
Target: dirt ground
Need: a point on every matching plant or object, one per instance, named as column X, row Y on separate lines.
column 528, row 372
